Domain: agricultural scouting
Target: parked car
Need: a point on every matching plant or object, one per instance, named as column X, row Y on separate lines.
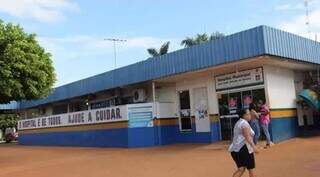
column 11, row 135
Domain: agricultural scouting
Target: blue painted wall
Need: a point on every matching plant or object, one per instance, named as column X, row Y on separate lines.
column 122, row 137
column 90, row 138
column 280, row 128
column 142, row 137
column 215, row 132
column 283, row 128
column 171, row 134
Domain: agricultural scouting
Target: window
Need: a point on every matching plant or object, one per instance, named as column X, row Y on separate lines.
column 60, row 109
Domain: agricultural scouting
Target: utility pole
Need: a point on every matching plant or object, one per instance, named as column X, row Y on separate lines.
column 114, row 40
column 306, row 5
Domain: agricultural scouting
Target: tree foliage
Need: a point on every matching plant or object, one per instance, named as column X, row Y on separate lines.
column 201, row 38
column 8, row 120
column 26, row 70
column 163, row 50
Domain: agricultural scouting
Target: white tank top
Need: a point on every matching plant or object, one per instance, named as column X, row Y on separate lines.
column 239, row 140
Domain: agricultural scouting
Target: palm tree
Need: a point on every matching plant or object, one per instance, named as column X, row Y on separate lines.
column 163, row 50
column 216, row 35
column 201, row 38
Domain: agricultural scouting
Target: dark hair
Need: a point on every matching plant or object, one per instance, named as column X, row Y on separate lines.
column 252, row 106
column 242, row 112
column 263, row 101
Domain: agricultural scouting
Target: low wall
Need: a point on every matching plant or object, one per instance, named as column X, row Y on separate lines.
column 118, row 134
column 284, row 124
column 169, row 132
column 164, row 131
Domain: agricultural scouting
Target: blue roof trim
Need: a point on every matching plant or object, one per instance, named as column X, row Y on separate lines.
column 257, row 41
column 288, row 45
column 10, row 106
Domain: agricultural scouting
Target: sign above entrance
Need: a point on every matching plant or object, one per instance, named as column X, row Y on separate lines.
column 239, row 79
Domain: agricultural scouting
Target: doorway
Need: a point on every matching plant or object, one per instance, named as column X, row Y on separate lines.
column 185, row 112
column 200, row 104
column 230, row 103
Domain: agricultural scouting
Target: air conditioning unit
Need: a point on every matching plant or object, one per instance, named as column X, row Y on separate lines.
column 139, row 95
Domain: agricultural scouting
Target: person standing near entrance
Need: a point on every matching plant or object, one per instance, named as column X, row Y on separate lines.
column 243, row 148
column 254, row 122
column 265, row 121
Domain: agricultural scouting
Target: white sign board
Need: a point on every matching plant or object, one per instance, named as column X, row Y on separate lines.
column 112, row 114
column 239, row 79
column 140, row 115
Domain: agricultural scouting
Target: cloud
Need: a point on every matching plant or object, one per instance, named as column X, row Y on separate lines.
column 297, row 24
column 39, row 10
column 285, row 7
column 296, row 6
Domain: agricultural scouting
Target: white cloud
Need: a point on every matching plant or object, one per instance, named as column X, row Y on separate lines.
column 284, row 7
column 297, row 6
column 40, row 10
column 297, row 24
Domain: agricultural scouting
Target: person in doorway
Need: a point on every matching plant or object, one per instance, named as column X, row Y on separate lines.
column 243, row 148
column 254, row 122
column 265, row 121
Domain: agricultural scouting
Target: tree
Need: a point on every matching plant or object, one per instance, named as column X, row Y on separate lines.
column 26, row 69
column 8, row 120
column 163, row 50
column 201, row 38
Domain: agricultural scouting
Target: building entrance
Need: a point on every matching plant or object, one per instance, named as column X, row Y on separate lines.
column 230, row 103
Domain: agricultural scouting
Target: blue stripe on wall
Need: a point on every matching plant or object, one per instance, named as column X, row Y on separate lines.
column 283, row 128
column 91, row 138
column 141, row 137
column 171, row 134
column 215, row 132
column 122, row 137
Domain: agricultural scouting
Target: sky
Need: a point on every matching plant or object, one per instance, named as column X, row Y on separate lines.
column 73, row 31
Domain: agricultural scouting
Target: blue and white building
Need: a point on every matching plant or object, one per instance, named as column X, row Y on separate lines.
column 187, row 96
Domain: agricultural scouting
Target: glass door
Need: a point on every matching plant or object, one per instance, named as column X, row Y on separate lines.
column 230, row 103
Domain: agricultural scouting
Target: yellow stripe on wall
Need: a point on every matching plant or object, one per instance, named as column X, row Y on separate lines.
column 109, row 125
column 283, row 113
column 175, row 120
column 214, row 117
column 167, row 121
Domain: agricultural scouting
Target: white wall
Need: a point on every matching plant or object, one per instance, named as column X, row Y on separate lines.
column 280, row 87
column 190, row 84
column 212, row 95
column 298, row 81
column 166, row 93
column 165, row 110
